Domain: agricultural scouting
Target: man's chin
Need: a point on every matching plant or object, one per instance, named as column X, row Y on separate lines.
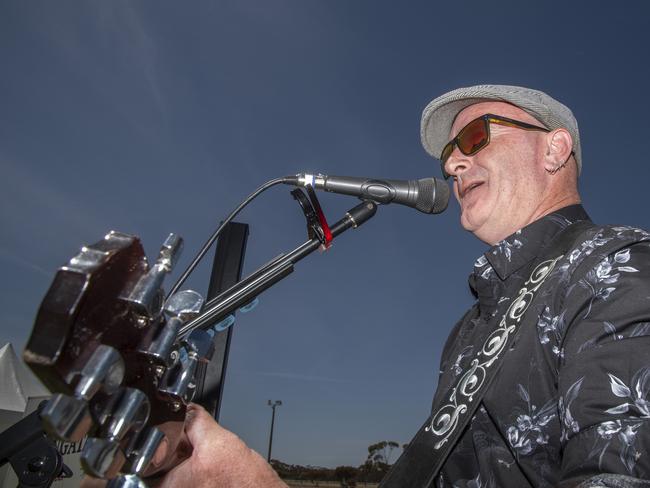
column 469, row 222
column 476, row 227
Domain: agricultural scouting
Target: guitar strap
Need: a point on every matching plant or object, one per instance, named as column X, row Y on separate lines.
column 421, row 461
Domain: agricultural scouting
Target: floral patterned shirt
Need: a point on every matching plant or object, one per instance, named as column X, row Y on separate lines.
column 572, row 399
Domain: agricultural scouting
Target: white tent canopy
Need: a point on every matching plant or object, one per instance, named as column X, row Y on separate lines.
column 17, row 383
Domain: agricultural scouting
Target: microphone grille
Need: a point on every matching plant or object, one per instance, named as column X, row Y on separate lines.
column 433, row 196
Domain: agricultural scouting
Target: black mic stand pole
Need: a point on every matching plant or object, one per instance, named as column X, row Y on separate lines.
column 246, row 290
column 226, row 272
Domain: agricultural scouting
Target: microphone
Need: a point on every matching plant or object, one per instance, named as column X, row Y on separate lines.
column 428, row 195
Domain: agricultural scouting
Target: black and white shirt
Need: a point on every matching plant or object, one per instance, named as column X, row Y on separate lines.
column 572, row 399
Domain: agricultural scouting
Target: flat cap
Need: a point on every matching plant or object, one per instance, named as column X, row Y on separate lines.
column 439, row 115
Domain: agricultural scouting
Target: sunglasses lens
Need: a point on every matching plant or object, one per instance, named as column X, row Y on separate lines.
column 473, row 137
column 446, row 151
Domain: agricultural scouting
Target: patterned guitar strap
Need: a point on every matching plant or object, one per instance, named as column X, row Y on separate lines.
column 421, row 461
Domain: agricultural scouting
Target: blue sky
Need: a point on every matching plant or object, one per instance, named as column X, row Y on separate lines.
column 152, row 117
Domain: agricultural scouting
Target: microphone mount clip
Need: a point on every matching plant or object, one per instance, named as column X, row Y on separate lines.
column 317, row 226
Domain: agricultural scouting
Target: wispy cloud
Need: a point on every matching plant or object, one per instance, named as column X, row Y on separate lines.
column 112, row 45
column 6, row 254
column 140, row 44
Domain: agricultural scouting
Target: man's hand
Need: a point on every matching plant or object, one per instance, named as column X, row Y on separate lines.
column 219, row 459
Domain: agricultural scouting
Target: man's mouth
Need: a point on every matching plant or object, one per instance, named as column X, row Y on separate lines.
column 466, row 190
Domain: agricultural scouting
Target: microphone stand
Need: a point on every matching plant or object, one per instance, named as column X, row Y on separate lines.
column 246, row 290
column 30, row 452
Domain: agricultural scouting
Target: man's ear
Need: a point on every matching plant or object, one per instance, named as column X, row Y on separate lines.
column 559, row 146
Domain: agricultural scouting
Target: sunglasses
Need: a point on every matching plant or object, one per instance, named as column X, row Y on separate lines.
column 476, row 135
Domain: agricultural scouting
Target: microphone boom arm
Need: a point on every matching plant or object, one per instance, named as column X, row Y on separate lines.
column 247, row 289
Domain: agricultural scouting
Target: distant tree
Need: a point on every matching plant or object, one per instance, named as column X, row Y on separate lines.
column 381, row 452
column 378, row 461
column 346, row 475
column 372, row 470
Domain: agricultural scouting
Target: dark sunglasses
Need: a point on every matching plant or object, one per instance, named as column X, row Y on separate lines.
column 476, row 135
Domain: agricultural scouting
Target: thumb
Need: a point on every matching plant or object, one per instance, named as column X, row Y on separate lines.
column 197, row 422
column 195, row 419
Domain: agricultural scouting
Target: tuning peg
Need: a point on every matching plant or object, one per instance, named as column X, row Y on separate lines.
column 66, row 417
column 130, row 414
column 158, row 350
column 170, row 251
column 178, row 382
column 142, row 450
column 181, row 307
column 102, row 458
column 104, row 369
column 184, row 305
column 146, row 297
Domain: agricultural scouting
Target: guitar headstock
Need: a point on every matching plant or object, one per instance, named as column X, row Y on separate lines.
column 105, row 343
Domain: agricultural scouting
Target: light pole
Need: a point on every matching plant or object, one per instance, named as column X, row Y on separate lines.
column 272, row 405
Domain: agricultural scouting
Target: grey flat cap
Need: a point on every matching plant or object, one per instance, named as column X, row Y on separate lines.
column 439, row 115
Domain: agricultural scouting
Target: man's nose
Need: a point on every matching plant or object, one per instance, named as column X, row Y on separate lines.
column 457, row 163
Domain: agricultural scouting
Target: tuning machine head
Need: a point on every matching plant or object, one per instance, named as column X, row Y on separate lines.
column 146, row 297
column 68, row 417
column 103, row 456
column 178, row 383
column 159, row 347
column 184, row 305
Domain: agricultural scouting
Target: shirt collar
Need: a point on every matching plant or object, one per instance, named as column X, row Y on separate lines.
column 520, row 248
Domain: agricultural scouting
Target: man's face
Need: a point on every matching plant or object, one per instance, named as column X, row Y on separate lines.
column 500, row 188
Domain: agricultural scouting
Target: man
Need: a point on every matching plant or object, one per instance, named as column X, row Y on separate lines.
column 553, row 361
